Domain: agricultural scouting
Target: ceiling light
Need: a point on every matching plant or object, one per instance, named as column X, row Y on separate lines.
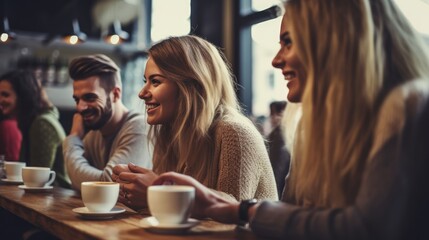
column 75, row 36
column 6, row 35
column 116, row 35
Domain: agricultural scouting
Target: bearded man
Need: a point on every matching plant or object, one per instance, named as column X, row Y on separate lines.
column 104, row 132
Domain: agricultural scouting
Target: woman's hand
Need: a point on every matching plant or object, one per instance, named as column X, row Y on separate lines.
column 207, row 203
column 118, row 169
column 134, row 183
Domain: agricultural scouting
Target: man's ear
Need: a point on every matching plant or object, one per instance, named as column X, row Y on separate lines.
column 117, row 94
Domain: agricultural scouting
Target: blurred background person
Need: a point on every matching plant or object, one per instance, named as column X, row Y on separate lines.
column 10, row 136
column 277, row 151
column 22, row 97
column 274, row 119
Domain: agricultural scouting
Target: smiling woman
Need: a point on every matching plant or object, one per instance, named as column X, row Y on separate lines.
column 197, row 126
column 160, row 95
column 22, row 97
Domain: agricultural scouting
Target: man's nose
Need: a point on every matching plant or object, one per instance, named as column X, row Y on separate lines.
column 81, row 105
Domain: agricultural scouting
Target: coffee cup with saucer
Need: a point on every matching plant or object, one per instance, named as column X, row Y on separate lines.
column 99, row 199
column 152, row 224
column 37, row 179
column 13, row 172
column 170, row 206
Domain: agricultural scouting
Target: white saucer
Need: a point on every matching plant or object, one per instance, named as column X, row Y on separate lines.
column 36, row 189
column 151, row 224
column 85, row 213
column 11, row 181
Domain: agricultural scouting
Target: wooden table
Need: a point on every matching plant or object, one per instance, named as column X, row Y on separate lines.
column 52, row 212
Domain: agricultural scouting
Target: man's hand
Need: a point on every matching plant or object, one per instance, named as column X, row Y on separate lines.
column 77, row 128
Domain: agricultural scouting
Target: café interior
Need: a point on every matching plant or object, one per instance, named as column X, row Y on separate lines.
column 44, row 36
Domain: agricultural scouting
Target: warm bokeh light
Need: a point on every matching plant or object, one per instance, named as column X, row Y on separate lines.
column 73, row 39
column 114, row 39
column 4, row 37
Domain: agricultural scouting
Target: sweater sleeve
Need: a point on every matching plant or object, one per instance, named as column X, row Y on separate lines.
column 130, row 145
column 379, row 206
column 368, row 218
column 45, row 137
column 244, row 168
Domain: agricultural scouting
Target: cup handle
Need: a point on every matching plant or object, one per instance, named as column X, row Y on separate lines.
column 51, row 179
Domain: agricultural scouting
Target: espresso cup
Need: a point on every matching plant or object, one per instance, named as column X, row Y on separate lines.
column 37, row 176
column 171, row 204
column 99, row 197
column 14, row 170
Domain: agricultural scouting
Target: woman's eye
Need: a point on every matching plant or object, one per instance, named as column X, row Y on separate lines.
column 287, row 42
column 155, row 81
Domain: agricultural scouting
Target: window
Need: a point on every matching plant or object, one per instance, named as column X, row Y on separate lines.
column 417, row 12
column 170, row 18
column 259, row 5
column 268, row 83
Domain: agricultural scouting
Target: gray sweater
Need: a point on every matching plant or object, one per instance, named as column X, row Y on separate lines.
column 93, row 158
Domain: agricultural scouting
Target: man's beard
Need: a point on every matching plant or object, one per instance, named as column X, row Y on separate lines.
column 107, row 113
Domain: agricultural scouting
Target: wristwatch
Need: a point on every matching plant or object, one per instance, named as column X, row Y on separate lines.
column 243, row 210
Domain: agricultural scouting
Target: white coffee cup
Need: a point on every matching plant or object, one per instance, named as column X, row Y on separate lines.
column 171, row 204
column 38, row 176
column 98, row 196
column 14, row 170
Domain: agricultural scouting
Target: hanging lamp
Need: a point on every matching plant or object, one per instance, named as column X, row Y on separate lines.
column 75, row 36
column 115, row 34
column 6, row 35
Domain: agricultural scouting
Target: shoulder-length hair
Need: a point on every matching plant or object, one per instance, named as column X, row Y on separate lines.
column 31, row 100
column 354, row 52
column 206, row 95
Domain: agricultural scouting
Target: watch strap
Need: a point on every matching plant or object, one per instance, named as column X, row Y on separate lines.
column 243, row 210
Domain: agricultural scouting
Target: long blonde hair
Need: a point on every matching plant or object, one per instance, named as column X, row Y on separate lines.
column 206, row 96
column 354, row 52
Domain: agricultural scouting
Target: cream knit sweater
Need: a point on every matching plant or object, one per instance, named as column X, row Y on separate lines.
column 244, row 167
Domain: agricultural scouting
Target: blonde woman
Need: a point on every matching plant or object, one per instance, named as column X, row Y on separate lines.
column 361, row 72
column 197, row 126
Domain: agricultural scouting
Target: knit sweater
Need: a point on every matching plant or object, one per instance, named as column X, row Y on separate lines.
column 41, row 146
column 244, row 167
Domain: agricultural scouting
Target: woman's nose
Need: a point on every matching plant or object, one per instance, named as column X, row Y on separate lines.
column 144, row 93
column 277, row 61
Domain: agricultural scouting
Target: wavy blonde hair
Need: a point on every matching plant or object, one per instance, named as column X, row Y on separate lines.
column 206, row 96
column 354, row 52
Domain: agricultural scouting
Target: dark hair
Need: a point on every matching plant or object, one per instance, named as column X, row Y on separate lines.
column 31, row 101
column 96, row 65
column 277, row 106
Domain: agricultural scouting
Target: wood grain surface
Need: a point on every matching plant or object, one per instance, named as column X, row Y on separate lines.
column 52, row 211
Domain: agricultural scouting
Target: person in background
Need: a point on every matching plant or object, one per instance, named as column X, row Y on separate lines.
column 22, row 97
column 361, row 72
column 104, row 132
column 274, row 119
column 277, row 151
column 10, row 136
column 197, row 126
